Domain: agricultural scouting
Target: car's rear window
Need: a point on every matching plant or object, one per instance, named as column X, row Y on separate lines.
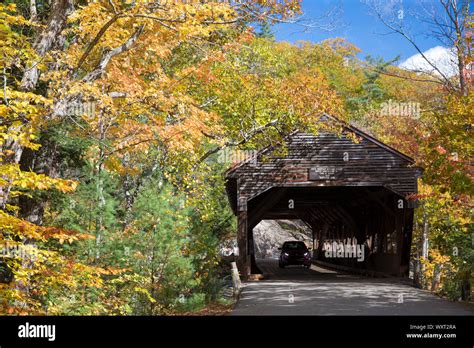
column 294, row 245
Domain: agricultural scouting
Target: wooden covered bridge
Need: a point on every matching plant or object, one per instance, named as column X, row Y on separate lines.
column 352, row 192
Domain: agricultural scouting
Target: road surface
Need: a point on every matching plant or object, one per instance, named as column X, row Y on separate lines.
column 319, row 291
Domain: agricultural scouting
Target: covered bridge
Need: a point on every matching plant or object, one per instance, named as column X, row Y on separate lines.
column 356, row 193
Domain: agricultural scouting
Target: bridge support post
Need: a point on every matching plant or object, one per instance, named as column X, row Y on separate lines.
column 243, row 261
column 406, row 242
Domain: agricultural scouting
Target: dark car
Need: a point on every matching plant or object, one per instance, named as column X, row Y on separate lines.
column 294, row 253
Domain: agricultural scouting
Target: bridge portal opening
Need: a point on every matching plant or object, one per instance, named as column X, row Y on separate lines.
column 269, row 236
column 363, row 228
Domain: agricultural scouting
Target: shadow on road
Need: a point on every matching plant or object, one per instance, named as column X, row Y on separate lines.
column 319, row 291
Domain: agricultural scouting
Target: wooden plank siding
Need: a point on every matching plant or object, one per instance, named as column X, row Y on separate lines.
column 368, row 165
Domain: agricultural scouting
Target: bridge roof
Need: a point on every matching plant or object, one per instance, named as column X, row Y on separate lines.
column 324, row 159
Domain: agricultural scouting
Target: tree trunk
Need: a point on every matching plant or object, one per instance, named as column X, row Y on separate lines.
column 424, row 245
column 436, row 277
column 100, row 189
column 33, row 11
column 43, row 161
column 45, row 41
column 421, row 252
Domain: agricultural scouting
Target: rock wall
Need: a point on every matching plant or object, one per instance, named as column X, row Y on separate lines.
column 269, row 235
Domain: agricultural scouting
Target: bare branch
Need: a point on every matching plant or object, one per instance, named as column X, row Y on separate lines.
column 448, row 29
column 118, row 94
column 113, row 6
column 333, row 15
column 99, row 70
column 96, row 39
column 417, row 48
column 118, row 15
column 384, row 72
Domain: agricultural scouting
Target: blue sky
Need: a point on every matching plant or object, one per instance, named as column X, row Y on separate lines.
column 363, row 29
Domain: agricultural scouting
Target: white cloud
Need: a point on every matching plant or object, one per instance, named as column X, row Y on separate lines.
column 441, row 57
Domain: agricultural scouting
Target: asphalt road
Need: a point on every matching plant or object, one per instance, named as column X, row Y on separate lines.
column 319, row 291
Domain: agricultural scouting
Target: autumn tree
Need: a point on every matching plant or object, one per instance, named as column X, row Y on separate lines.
column 438, row 137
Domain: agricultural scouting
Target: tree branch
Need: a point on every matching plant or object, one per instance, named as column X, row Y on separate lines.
column 94, row 42
column 244, row 140
column 399, row 30
column 100, row 68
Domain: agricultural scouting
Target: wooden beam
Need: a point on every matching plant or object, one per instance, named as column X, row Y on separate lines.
column 255, row 216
